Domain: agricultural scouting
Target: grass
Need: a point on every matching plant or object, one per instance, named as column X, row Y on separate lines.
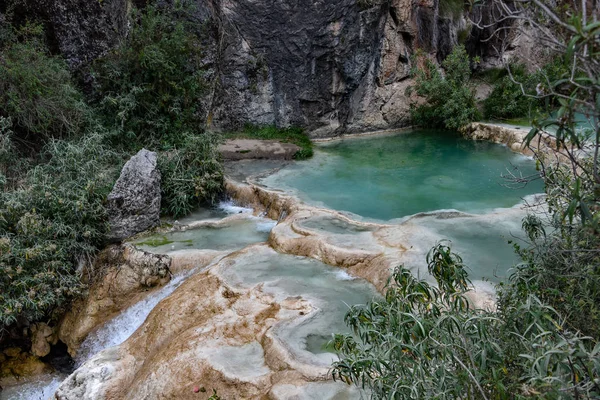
column 293, row 135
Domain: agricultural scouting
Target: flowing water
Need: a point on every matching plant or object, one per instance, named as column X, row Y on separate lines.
column 395, row 176
column 42, row 388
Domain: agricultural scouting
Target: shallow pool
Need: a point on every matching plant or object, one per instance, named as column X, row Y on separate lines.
column 331, row 290
column 232, row 235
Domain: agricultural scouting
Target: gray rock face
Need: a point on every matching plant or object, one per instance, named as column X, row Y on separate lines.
column 82, row 29
column 330, row 66
column 134, row 203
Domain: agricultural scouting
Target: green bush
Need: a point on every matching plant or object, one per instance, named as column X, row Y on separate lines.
column 449, row 98
column 52, row 204
column 507, row 99
column 11, row 164
column 561, row 260
column 36, row 90
column 421, row 342
column 52, row 224
column 516, row 97
column 190, row 174
column 150, row 88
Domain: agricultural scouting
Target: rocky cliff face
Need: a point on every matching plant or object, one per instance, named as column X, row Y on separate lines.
column 80, row 29
column 331, row 66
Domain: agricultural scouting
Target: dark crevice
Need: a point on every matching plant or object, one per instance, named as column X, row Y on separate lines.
column 60, row 359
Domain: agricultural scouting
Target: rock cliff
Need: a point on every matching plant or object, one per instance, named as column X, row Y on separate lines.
column 331, row 66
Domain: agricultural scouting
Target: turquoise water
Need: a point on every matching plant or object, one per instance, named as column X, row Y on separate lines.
column 331, row 290
column 394, row 176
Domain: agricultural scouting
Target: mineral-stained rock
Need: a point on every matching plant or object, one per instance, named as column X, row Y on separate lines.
column 41, row 337
column 244, row 149
column 16, row 364
column 121, row 274
column 209, row 335
column 134, row 203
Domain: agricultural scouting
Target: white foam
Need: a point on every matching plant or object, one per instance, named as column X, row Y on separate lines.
column 231, row 208
column 121, row 327
column 43, row 388
column 342, row 275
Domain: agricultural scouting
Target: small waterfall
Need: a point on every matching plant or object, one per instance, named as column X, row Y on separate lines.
column 121, row 327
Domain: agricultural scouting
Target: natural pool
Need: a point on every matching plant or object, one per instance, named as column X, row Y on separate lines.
column 231, row 235
column 394, row 176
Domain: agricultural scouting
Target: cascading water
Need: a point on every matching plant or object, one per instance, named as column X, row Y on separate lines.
column 117, row 330
column 390, row 179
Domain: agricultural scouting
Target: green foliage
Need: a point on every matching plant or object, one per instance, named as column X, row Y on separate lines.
column 422, row 342
column 150, row 88
column 561, row 261
column 448, row 269
column 293, row 135
column 449, row 98
column 11, row 164
column 52, row 206
column 36, row 90
column 53, row 224
column 515, row 93
column 507, row 99
column 190, row 174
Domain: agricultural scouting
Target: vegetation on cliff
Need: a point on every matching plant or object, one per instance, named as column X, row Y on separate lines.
column 61, row 151
column 449, row 96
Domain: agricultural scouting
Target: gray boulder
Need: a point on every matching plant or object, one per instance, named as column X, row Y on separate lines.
column 134, row 203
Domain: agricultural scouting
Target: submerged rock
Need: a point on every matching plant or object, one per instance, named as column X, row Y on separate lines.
column 134, row 203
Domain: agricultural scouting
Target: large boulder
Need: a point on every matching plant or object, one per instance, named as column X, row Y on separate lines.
column 134, row 203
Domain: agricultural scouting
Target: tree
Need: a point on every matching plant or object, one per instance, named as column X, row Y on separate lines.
column 423, row 342
column 570, row 32
column 449, row 97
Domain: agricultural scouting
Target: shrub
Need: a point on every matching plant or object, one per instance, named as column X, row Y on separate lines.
column 11, row 164
column 507, row 99
column 561, row 260
column 51, row 225
column 516, row 96
column 190, row 174
column 421, row 342
column 449, row 98
column 150, row 88
column 36, row 90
